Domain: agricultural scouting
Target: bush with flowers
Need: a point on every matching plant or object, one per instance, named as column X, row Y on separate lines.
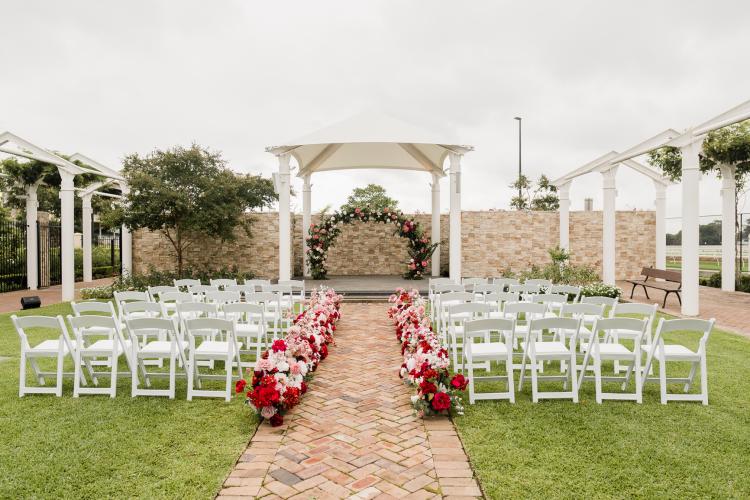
column 426, row 360
column 322, row 236
column 279, row 377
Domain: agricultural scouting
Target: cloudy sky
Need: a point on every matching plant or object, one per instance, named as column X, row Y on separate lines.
column 107, row 79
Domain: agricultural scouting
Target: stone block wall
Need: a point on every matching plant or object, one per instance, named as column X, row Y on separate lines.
column 493, row 241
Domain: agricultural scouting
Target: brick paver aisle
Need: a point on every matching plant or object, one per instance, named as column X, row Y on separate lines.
column 354, row 433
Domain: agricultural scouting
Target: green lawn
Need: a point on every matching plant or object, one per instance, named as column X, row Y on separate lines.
column 96, row 447
column 558, row 449
column 706, row 265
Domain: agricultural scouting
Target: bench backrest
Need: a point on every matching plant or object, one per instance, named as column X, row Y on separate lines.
column 652, row 272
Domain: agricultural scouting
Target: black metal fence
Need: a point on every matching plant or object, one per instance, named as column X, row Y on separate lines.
column 49, row 255
column 12, row 256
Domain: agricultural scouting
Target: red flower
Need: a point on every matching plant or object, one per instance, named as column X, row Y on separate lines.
column 239, row 386
column 441, row 401
column 278, row 345
column 427, row 387
column 459, row 382
column 276, row 420
column 291, row 397
column 303, row 387
column 323, row 351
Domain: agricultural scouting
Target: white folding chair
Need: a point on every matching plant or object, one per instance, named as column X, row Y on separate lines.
column 431, row 284
column 573, row 292
column 220, row 283
column 171, row 299
column 171, row 349
column 98, row 337
column 542, row 283
column 597, row 351
column 88, row 308
column 665, row 353
column 200, row 291
column 186, row 283
column 525, row 291
column 250, row 327
column 498, row 301
column 270, row 302
column 210, row 350
column 137, row 310
column 57, row 348
column 257, row 284
column 221, row 297
column 155, row 291
column 298, row 291
column 470, row 283
column 122, row 298
column 442, row 302
column 553, row 301
column 194, row 310
column 285, row 304
column 587, row 313
column 458, row 314
column 482, row 289
column 505, row 282
column 522, row 313
column 437, row 290
column 481, row 349
column 537, row 350
column 633, row 310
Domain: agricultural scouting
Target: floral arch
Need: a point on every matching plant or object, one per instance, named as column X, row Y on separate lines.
column 323, row 236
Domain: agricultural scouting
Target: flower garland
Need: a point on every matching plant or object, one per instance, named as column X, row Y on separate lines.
column 426, row 360
column 279, row 376
column 323, row 235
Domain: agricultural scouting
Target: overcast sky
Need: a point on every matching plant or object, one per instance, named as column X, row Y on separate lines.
column 107, row 79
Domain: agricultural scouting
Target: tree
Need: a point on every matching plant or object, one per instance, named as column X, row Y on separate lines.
column 729, row 145
column 187, row 194
column 372, row 195
column 543, row 198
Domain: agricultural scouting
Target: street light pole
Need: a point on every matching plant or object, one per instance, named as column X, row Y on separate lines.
column 519, row 157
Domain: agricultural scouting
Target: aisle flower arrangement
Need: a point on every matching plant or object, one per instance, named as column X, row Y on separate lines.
column 322, row 236
column 279, row 377
column 426, row 359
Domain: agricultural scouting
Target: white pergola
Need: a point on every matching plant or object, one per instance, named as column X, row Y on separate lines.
column 604, row 166
column 370, row 140
column 14, row 145
column 690, row 143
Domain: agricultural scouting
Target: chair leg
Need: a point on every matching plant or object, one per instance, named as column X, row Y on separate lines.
column 534, row 381
column 230, row 370
column 663, row 380
column 689, row 383
column 190, row 375
column 523, row 372
column 34, row 366
column 639, row 376
column 470, row 369
column 598, row 378
column 172, row 372
column 511, row 382
column 704, row 379
column 76, row 372
column 113, row 376
column 134, row 379
column 573, row 378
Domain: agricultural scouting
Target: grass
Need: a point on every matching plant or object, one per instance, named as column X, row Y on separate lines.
column 95, row 447
column 558, row 449
column 706, row 265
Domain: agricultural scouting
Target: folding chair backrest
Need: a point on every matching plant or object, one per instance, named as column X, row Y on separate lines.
column 570, row 325
column 549, row 298
column 433, row 282
column 456, row 297
column 201, row 290
column 200, row 325
column 193, row 310
column 479, row 327
column 569, row 290
column 530, row 309
column 635, row 309
column 243, row 312
column 505, row 282
column 93, row 308
column 156, row 291
column 222, row 282
column 470, row 283
column 526, row 289
column 176, row 297
column 619, row 324
column 242, row 289
column 448, row 288
column 94, row 325
column 702, row 326
column 578, row 310
column 257, row 284
column 485, row 288
column 475, row 308
column 296, row 285
column 186, row 283
column 122, row 298
column 222, row 297
column 262, row 297
column 146, row 326
column 539, row 281
column 140, row 309
column 606, row 301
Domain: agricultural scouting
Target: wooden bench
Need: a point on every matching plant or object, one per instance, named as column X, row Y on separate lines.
column 672, row 283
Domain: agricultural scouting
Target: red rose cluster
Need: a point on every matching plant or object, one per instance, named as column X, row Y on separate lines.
column 426, row 361
column 279, row 376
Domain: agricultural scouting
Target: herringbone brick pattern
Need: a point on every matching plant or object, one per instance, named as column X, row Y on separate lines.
column 354, row 435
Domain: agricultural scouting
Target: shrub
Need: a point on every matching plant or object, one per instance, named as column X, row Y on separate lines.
column 600, row 290
column 741, row 285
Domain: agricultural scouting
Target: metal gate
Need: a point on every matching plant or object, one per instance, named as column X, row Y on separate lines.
column 49, row 255
column 106, row 259
column 12, row 256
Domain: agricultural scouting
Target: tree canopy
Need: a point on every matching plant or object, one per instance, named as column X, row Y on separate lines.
column 544, row 197
column 373, row 196
column 187, row 194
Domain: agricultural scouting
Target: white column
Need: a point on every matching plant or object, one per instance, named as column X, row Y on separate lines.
column 563, row 192
column 455, row 218
column 660, row 203
column 32, row 245
column 87, row 213
column 306, row 221
column 436, row 224
column 728, row 248
column 285, row 245
column 126, row 252
column 67, row 214
column 608, row 225
column 690, row 221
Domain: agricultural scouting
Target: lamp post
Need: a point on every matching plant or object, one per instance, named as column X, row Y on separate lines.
column 519, row 157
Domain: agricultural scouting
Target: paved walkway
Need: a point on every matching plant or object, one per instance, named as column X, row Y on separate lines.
column 354, row 434
column 11, row 301
column 731, row 309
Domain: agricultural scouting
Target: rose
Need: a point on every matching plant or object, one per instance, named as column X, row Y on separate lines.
column 427, row 387
column 441, row 401
column 278, row 346
column 459, row 382
column 239, row 386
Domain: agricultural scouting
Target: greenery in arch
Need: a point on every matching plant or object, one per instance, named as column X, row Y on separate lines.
column 323, row 236
column 373, row 196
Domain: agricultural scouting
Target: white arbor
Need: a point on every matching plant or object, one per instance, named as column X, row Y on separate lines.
column 604, row 166
column 13, row 145
column 370, row 140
